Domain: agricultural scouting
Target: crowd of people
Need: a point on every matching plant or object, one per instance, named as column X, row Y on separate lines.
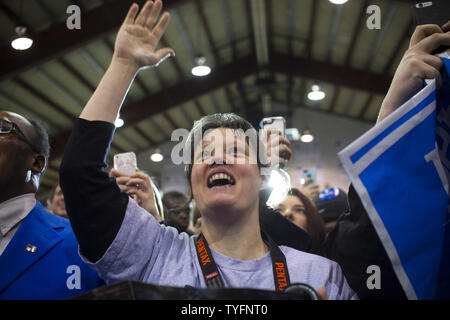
column 101, row 227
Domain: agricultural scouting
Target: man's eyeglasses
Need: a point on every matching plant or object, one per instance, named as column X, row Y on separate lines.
column 11, row 127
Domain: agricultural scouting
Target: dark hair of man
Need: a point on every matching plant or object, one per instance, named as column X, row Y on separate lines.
column 41, row 143
column 173, row 195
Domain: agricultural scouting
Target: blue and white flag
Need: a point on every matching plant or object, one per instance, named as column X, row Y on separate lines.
column 400, row 170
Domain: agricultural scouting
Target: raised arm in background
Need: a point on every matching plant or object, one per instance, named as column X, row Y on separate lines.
column 354, row 243
column 417, row 64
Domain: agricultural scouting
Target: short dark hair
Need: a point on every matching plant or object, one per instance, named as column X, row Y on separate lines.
column 40, row 143
column 173, row 195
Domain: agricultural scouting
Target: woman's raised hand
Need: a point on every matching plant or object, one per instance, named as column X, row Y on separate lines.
column 139, row 35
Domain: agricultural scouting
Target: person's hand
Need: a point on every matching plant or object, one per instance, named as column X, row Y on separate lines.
column 310, row 190
column 416, row 65
column 275, row 142
column 322, row 292
column 121, row 179
column 139, row 188
column 138, row 36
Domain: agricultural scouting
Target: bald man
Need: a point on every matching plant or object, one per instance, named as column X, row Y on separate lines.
column 38, row 250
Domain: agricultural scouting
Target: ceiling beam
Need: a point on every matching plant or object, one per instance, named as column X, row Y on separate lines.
column 312, row 23
column 191, row 89
column 226, row 16
column 215, row 52
column 359, row 25
column 327, row 72
column 290, row 50
column 179, row 94
column 44, row 98
column 258, row 24
column 397, row 50
column 14, row 17
column 366, row 106
column 224, row 75
column 58, row 40
column 325, row 112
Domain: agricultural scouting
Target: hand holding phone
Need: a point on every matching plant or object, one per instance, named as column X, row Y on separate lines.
column 278, row 123
column 278, row 147
column 126, row 163
column 432, row 12
column 309, row 176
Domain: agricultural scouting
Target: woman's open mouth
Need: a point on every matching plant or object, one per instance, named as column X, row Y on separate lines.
column 220, row 179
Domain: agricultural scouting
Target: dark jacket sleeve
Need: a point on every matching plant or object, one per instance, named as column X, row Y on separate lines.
column 355, row 245
column 94, row 203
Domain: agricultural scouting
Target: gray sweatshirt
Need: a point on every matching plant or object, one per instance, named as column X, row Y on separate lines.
column 144, row 250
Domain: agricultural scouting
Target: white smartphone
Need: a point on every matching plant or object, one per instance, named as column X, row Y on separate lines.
column 125, row 163
column 278, row 123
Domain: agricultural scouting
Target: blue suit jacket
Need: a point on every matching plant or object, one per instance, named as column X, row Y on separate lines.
column 54, row 270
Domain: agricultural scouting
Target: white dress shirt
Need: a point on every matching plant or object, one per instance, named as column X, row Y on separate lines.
column 12, row 212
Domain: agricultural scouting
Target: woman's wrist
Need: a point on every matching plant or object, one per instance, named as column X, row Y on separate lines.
column 123, row 67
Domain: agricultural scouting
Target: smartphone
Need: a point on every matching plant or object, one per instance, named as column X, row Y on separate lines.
column 125, row 163
column 309, row 176
column 432, row 12
column 278, row 123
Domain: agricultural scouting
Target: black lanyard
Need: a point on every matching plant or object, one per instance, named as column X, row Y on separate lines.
column 212, row 275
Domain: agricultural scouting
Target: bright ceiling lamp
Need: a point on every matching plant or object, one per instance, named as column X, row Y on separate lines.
column 316, row 94
column 156, row 156
column 200, row 70
column 338, row 1
column 306, row 136
column 21, row 42
column 119, row 122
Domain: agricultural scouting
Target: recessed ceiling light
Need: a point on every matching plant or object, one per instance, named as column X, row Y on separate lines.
column 306, row 136
column 316, row 94
column 21, row 42
column 200, row 70
column 157, row 156
column 338, row 1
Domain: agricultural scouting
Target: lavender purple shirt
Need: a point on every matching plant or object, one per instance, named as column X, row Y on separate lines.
column 147, row 251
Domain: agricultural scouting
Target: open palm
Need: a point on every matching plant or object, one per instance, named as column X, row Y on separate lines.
column 138, row 36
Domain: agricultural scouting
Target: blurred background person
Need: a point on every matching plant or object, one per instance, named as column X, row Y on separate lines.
column 300, row 210
column 331, row 203
column 177, row 214
column 56, row 203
